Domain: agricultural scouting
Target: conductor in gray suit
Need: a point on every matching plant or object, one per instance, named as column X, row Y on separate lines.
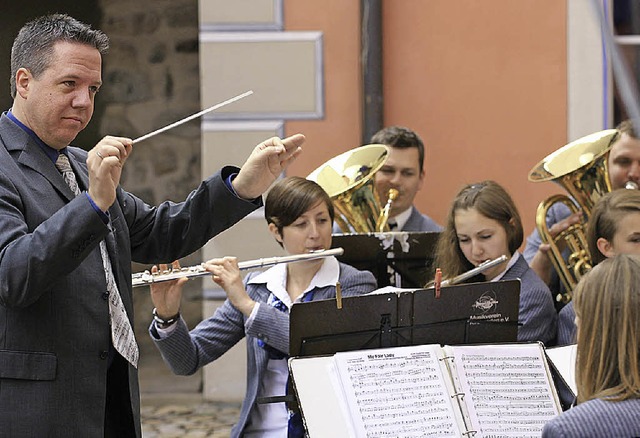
column 68, row 234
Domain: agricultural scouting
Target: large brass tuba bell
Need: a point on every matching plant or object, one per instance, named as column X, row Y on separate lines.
column 348, row 179
column 581, row 168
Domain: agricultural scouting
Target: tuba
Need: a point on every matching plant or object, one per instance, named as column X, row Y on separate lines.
column 348, row 179
column 581, row 168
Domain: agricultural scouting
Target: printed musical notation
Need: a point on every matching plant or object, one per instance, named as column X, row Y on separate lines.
column 400, row 393
column 508, row 390
column 479, row 391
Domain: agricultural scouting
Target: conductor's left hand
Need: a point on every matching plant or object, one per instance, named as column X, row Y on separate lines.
column 267, row 161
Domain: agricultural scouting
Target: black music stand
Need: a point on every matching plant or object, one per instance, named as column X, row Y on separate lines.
column 401, row 259
column 463, row 314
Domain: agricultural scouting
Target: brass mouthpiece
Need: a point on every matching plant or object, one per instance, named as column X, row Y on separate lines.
column 381, row 225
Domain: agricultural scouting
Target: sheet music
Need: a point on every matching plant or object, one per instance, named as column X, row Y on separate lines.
column 399, row 392
column 507, row 388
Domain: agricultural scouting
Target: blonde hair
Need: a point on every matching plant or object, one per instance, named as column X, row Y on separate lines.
column 607, row 305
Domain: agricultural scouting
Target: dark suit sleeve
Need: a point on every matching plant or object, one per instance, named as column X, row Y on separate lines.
column 173, row 230
column 32, row 261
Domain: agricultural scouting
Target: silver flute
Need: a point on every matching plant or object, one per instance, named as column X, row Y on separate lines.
column 475, row 271
column 147, row 277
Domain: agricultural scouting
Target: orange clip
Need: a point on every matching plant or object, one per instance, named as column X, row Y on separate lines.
column 437, row 281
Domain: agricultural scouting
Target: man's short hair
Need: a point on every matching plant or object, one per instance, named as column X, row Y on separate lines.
column 626, row 127
column 400, row 137
column 33, row 47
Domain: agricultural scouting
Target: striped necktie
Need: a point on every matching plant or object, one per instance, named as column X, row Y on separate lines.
column 122, row 336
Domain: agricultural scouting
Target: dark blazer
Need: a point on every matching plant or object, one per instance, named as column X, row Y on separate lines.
column 536, row 312
column 54, row 316
column 186, row 352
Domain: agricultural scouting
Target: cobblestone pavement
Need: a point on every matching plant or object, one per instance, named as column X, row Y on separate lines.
column 187, row 417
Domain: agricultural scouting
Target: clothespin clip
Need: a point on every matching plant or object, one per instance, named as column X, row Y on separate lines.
column 437, row 281
column 338, row 295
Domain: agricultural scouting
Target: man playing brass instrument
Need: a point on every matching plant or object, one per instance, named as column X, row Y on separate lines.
column 623, row 168
column 403, row 171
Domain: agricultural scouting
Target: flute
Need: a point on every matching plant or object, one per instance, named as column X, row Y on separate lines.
column 475, row 271
column 147, row 277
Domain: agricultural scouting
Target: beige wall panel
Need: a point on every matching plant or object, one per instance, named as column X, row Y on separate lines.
column 240, row 13
column 587, row 94
column 231, row 143
column 283, row 70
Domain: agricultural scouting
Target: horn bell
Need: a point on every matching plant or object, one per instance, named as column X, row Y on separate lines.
column 348, row 179
column 581, row 168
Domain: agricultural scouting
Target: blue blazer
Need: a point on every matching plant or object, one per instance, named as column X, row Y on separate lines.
column 54, row 314
column 597, row 418
column 556, row 213
column 186, row 352
column 537, row 315
column 567, row 325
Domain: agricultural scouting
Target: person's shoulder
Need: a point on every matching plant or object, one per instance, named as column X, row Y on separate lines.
column 567, row 312
column 350, row 274
column 419, row 221
column 600, row 418
column 531, row 282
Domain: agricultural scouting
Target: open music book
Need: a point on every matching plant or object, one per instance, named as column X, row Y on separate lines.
column 419, row 391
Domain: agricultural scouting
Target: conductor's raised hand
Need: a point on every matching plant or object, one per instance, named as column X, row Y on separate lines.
column 226, row 274
column 166, row 295
column 104, row 163
column 267, row 161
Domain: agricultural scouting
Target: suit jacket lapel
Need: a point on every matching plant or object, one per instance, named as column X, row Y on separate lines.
column 31, row 155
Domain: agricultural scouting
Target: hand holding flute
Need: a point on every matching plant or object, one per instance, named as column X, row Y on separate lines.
column 166, row 295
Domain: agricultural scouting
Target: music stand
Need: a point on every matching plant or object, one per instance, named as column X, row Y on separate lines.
column 463, row 314
column 401, row 259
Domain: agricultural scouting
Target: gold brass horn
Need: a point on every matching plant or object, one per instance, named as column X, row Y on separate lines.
column 348, row 179
column 581, row 168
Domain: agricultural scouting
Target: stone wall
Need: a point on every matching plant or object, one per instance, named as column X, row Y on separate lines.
column 151, row 79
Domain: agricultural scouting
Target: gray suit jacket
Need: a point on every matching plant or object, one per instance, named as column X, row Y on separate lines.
column 54, row 317
column 186, row 352
column 420, row 222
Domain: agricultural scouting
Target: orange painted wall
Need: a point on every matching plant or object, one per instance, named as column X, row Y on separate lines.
column 340, row 130
column 484, row 83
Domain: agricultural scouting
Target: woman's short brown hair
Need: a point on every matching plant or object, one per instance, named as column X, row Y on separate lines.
column 290, row 197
